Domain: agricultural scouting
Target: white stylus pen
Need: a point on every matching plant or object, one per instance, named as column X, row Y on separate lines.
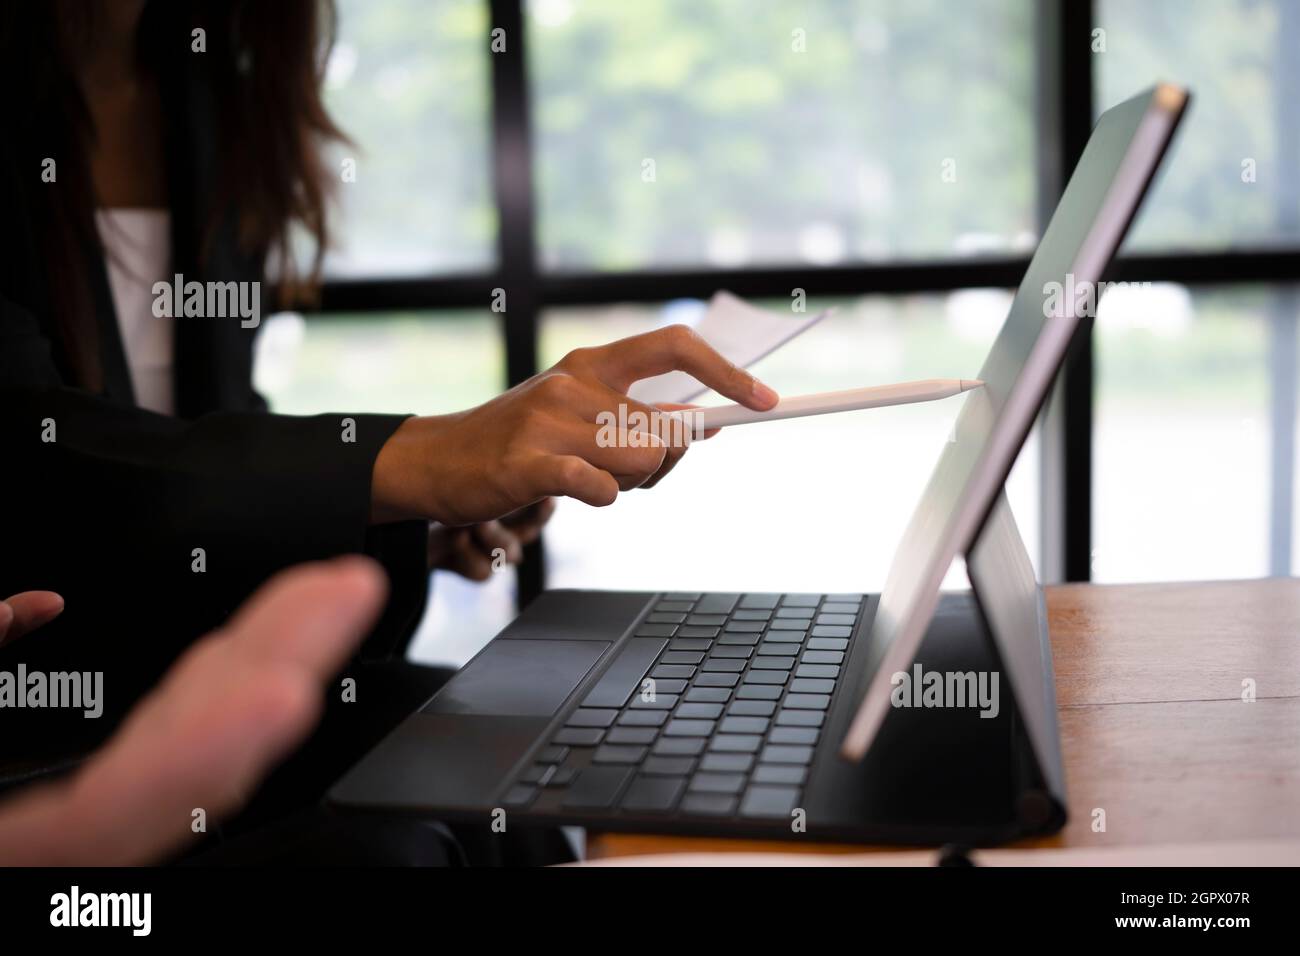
column 823, row 403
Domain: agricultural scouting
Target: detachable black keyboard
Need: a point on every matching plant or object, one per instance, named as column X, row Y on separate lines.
column 713, row 707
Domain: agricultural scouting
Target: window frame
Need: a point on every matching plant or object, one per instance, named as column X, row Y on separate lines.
column 1065, row 106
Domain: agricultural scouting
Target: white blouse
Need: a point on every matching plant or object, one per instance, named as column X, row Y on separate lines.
column 137, row 244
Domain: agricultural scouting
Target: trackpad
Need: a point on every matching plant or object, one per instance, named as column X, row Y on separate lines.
column 518, row 678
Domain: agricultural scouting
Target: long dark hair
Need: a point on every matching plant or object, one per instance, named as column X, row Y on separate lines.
column 265, row 63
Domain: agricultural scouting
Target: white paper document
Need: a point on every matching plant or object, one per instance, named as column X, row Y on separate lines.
column 741, row 332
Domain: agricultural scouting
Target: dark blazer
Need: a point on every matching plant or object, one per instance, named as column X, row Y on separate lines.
column 110, row 513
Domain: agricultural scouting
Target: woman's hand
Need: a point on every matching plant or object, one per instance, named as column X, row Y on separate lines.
column 476, row 551
column 540, row 439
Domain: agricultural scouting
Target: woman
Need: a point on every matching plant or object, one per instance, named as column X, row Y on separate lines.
column 149, row 139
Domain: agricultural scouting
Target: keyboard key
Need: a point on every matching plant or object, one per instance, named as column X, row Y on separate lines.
column 669, row 766
column 539, row 774
column 800, row 718
column 674, row 685
column 760, row 691
column 688, row 630
column 688, row 728
column 707, row 620
column 643, row 718
column 822, row 657
column 844, row 598
column 779, row 753
column 738, row 652
column 752, row 708
column 675, row 606
column 700, row 711
column 708, row 804
column 562, row 777
column 727, row 763
column 724, row 665
column 653, row 794
column 801, row 600
column 657, row 702
column 824, row 631
column 735, row 743
column 787, row 625
column 716, row 680
column 607, row 753
column 691, row 596
column 764, row 663
column 708, row 695
column 658, row 618
column 811, row 685
column 765, row 601
column 748, row 615
column 780, row 773
column 769, row 801
column 807, row 701
column 743, row 725
column 679, row 746
column 519, row 795
column 597, row 787
column 672, row 670
column 552, row 754
column 818, row 670
column 717, row 783
column 832, row 620
column 828, row 644
column 776, row 650
column 833, row 608
column 794, row 735
column 694, row 644
column 738, row 640
column 745, row 627
column 623, row 676
column 793, row 638
column 578, row 736
column 767, row 677
column 656, row 630
column 716, row 603
column 591, row 717
column 631, row 735
column 681, row 657
column 799, row 612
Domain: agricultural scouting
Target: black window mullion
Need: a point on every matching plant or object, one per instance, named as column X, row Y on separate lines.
column 512, row 164
column 1065, row 112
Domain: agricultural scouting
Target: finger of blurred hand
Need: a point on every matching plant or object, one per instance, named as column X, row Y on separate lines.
column 494, row 536
column 527, row 523
column 467, row 557
column 234, row 704
column 677, row 348
column 27, row 611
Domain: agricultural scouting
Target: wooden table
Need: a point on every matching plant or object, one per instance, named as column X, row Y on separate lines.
column 1149, row 681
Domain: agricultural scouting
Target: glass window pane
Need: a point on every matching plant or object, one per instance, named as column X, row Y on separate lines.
column 1230, row 179
column 1182, row 448
column 679, row 133
column 803, row 504
column 404, row 362
column 408, row 83
column 398, row 363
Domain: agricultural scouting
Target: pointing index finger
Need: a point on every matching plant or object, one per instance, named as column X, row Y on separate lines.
column 678, row 348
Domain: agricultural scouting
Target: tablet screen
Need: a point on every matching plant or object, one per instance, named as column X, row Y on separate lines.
column 1060, row 289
